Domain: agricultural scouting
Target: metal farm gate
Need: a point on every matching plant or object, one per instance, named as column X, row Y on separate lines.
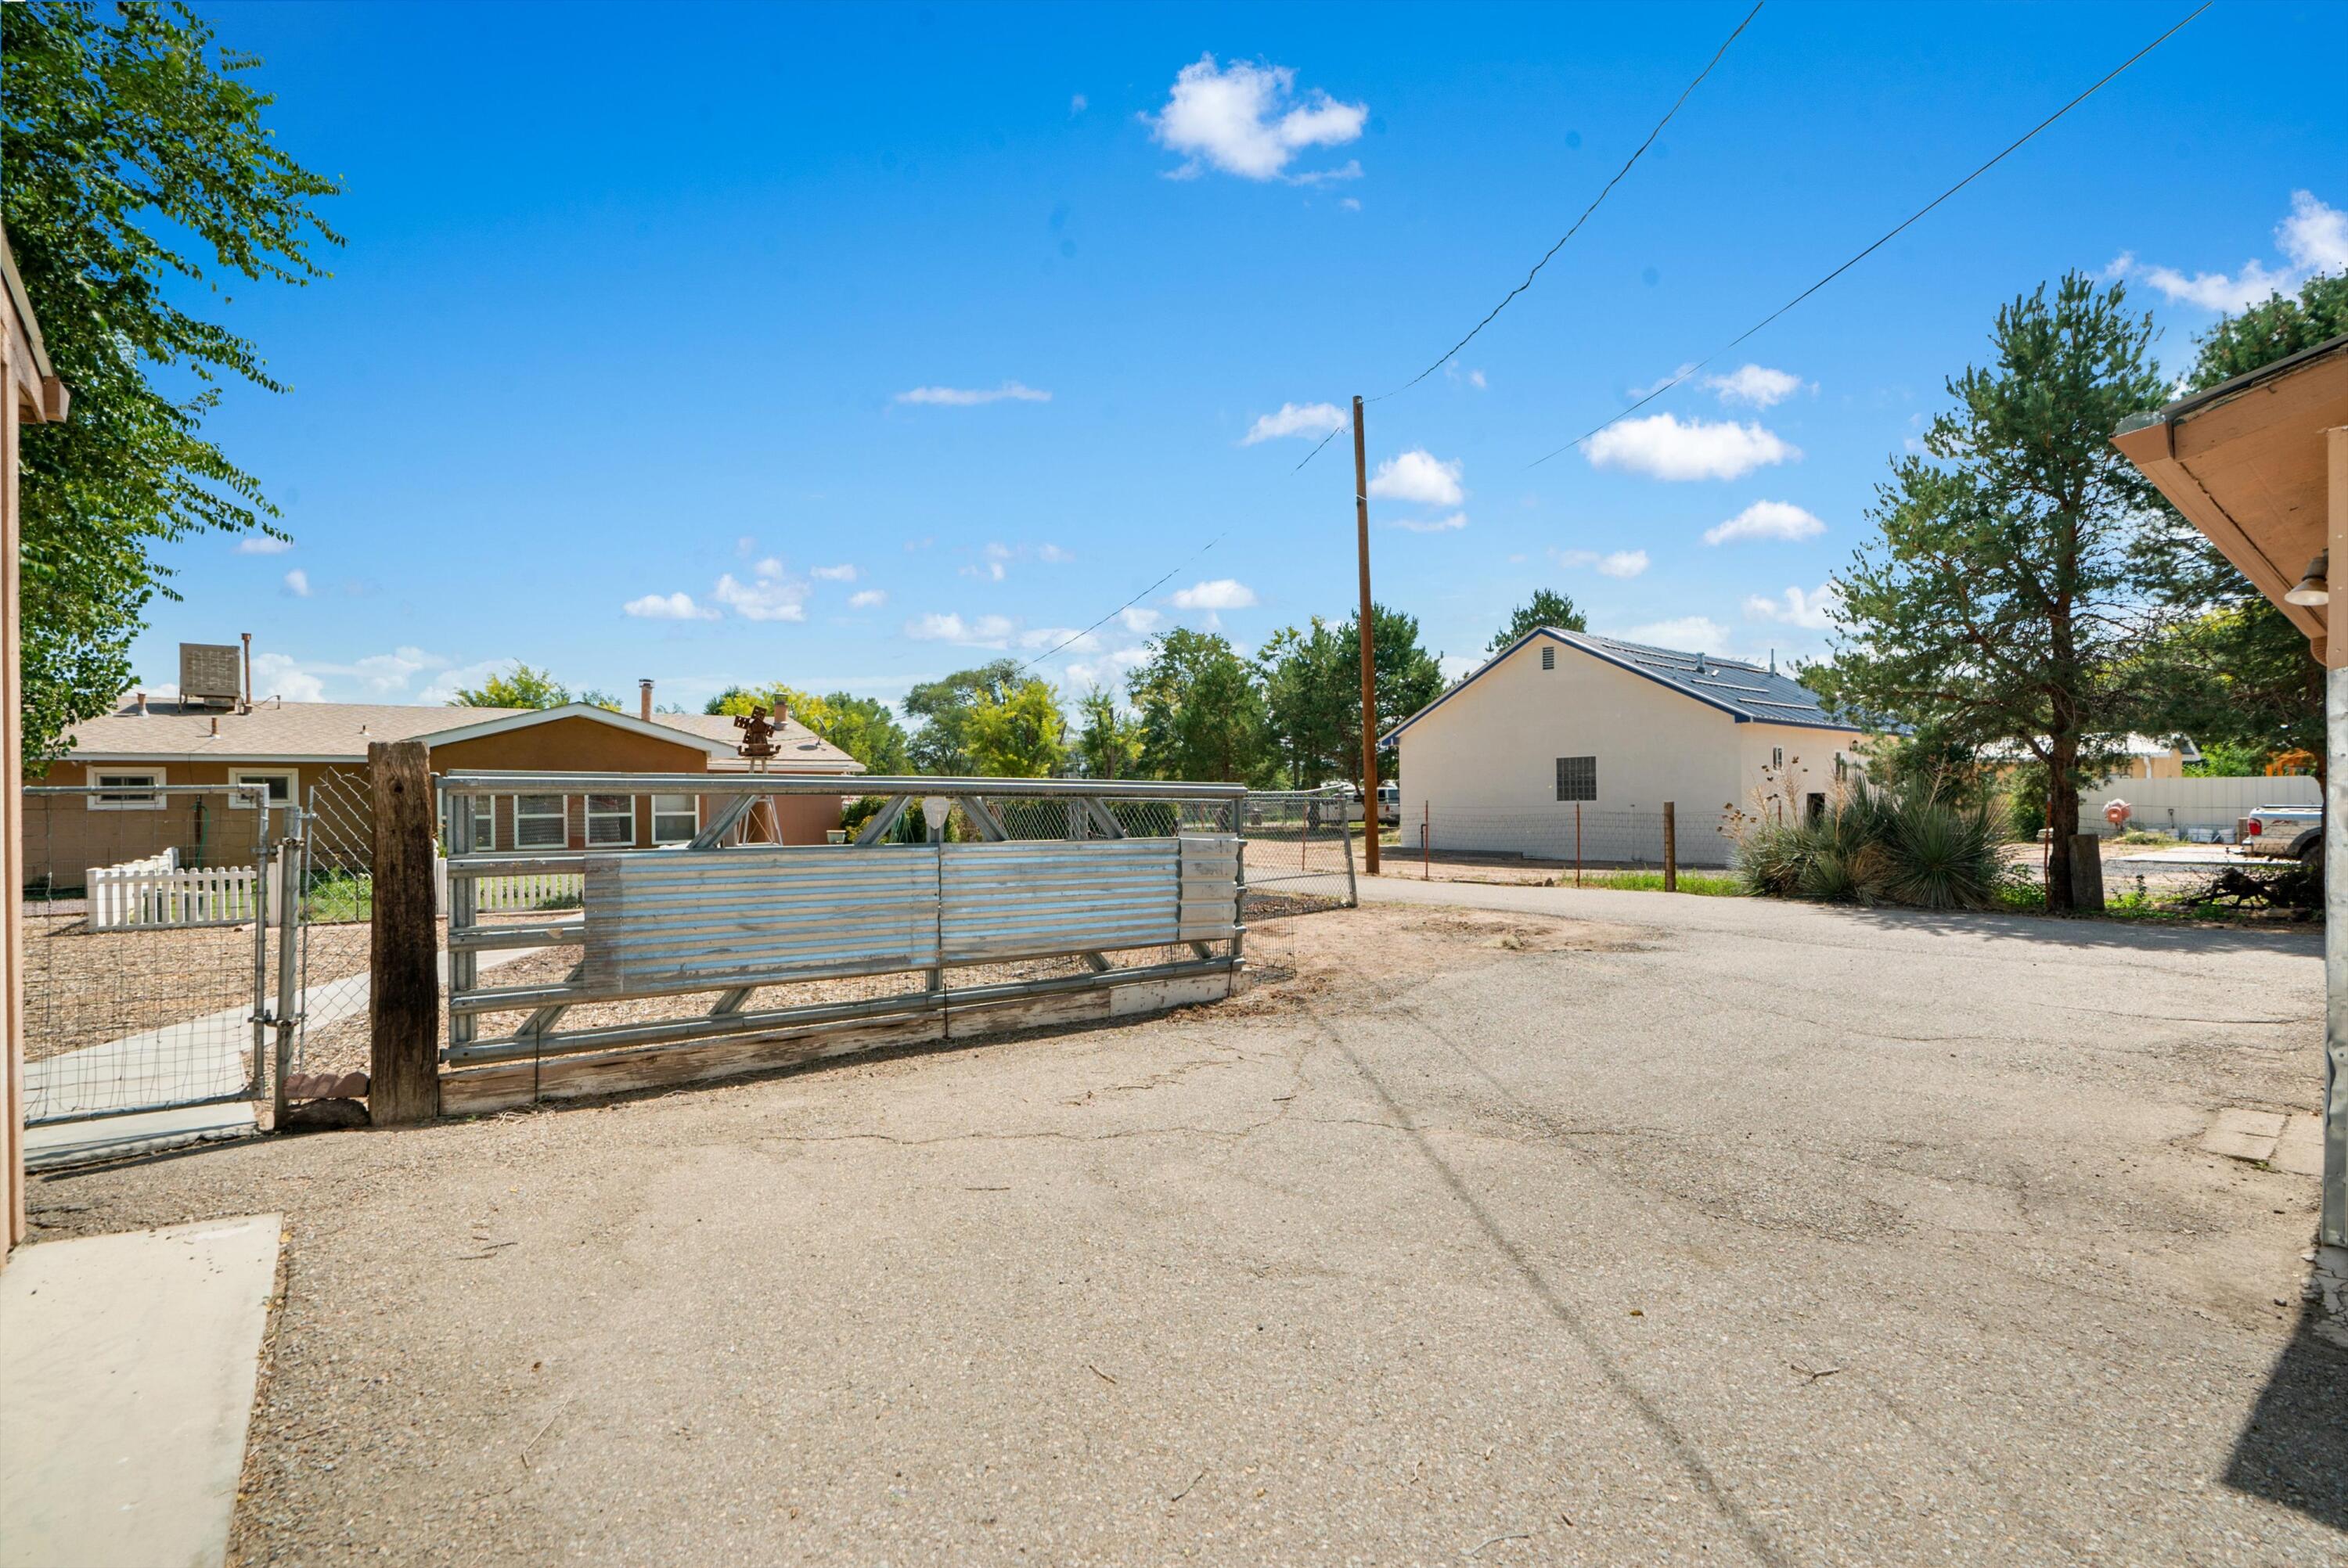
column 155, row 943
column 586, row 965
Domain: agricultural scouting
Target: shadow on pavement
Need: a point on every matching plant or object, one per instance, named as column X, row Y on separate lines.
column 2294, row 1447
column 2087, row 932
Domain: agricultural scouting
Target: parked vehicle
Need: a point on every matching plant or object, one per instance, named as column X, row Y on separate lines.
column 2287, row 832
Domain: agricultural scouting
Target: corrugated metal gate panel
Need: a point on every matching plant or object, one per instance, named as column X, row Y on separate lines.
column 1027, row 899
column 663, row 921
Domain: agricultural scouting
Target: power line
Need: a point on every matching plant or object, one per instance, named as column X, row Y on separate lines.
column 1606, row 190
column 1129, row 603
column 1687, row 371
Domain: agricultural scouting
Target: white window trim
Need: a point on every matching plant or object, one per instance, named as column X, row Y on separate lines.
column 591, row 815
column 293, row 777
column 485, row 822
column 561, row 815
column 155, row 781
column 693, row 807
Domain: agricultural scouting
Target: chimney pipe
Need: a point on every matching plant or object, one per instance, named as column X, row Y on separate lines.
column 644, row 700
column 247, row 636
column 139, row 699
column 215, row 724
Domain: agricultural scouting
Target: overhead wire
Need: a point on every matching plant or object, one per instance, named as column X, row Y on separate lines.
column 1687, row 371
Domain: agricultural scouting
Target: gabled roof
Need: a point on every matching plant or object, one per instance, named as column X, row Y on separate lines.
column 1747, row 693
column 274, row 730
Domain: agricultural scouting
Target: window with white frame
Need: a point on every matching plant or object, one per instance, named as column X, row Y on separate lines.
column 610, row 819
column 676, row 818
column 126, row 789
column 539, row 822
column 280, row 782
column 485, row 822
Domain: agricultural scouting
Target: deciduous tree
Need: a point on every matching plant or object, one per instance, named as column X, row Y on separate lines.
column 1202, row 713
column 523, row 687
column 1021, row 734
column 136, row 163
column 1109, row 746
column 942, row 709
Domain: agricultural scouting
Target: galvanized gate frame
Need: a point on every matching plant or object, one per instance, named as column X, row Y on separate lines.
column 799, row 913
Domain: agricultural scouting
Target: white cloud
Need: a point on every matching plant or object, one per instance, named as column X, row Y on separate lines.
column 866, row 599
column 1457, row 667
column 678, row 606
column 1756, row 385
column 1688, row 634
column 1766, row 520
column 2313, row 240
column 1055, row 637
column 1452, row 374
column 445, row 687
column 263, row 544
column 1077, row 106
column 1430, row 525
column 1058, row 556
column 1109, row 669
column 298, row 583
column 966, row 397
column 1420, row 476
column 1350, row 169
column 278, row 675
column 387, row 673
column 1244, row 119
column 1222, row 593
column 1613, row 563
column 1351, row 203
column 770, row 595
column 982, row 632
column 1306, row 419
column 1682, row 374
column 1664, row 448
column 1141, row 621
column 1813, row 610
column 833, row 573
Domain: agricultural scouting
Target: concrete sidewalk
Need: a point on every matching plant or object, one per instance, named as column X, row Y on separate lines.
column 128, row 1365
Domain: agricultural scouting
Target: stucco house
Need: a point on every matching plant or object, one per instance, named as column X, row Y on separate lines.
column 1557, row 720
column 287, row 748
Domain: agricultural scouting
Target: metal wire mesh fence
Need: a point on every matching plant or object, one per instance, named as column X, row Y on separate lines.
column 146, row 949
column 1565, row 837
column 337, row 882
column 1300, row 848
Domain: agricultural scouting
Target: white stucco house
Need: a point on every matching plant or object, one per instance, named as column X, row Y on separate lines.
column 1560, row 719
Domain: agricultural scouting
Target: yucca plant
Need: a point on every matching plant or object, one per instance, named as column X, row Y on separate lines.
column 1874, row 845
column 1944, row 856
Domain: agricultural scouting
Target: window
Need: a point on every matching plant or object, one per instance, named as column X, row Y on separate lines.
column 610, row 819
column 539, row 822
column 126, row 789
column 676, row 818
column 1776, row 754
column 1577, row 778
column 1548, row 658
column 279, row 782
column 485, row 817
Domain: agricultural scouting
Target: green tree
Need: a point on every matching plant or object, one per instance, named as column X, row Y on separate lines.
column 942, row 709
column 1021, row 735
column 1313, row 682
column 1109, row 746
column 136, row 164
column 1201, row 710
column 2235, row 671
column 863, row 727
column 1998, row 607
column 1547, row 608
column 524, row 688
column 596, row 697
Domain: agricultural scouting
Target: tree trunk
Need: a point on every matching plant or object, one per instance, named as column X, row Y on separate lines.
column 2062, row 821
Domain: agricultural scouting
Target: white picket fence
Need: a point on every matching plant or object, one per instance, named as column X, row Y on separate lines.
column 157, row 894
column 539, row 890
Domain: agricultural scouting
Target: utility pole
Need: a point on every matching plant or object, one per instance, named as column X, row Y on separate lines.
column 1369, row 654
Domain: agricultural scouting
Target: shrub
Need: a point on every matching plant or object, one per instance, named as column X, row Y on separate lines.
column 1905, row 846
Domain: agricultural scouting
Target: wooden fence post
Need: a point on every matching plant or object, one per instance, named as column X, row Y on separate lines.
column 1671, row 850
column 404, row 998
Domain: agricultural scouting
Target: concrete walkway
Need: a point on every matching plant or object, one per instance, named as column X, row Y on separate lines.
column 128, row 1365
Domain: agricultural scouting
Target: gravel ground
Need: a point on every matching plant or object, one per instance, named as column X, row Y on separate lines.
column 1603, row 1227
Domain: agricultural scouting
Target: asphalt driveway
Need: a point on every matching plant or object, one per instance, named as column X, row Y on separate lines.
column 1602, row 1228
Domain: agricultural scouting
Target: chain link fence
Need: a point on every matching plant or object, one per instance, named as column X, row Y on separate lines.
column 335, row 944
column 1300, row 849
column 147, row 952
column 1030, row 818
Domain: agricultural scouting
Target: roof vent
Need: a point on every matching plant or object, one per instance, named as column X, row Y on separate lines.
column 209, row 674
column 1700, row 667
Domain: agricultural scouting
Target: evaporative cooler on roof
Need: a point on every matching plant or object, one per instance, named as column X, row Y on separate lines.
column 209, row 674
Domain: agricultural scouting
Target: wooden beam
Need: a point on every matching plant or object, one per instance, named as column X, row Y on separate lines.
column 403, row 1000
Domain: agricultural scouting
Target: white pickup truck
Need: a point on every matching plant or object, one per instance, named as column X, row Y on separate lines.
column 2289, row 832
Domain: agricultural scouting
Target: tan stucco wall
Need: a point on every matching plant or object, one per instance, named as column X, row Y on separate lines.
column 1481, row 769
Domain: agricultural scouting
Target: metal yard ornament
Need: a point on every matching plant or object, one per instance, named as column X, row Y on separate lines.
column 758, row 734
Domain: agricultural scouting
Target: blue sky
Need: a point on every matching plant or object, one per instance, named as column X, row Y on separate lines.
column 847, row 347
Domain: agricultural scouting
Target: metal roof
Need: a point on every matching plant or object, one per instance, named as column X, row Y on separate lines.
column 1750, row 693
